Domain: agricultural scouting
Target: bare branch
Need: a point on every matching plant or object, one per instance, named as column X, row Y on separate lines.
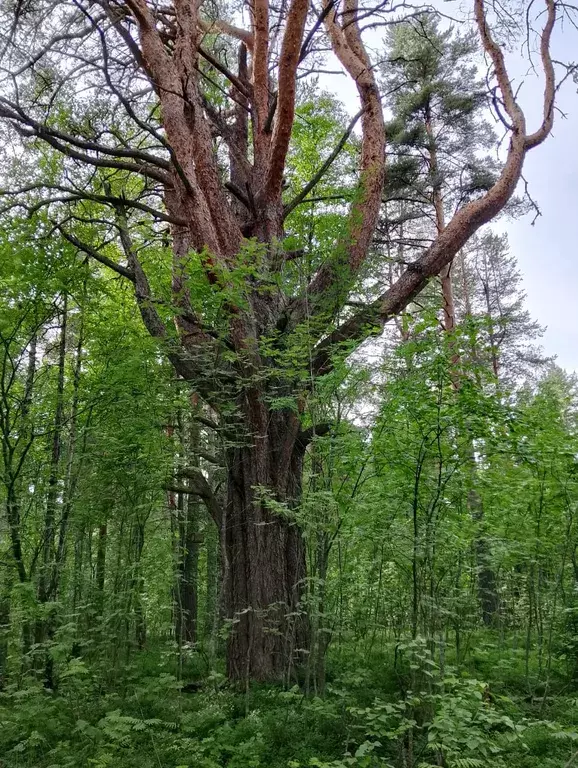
column 300, row 197
column 228, row 29
column 96, row 255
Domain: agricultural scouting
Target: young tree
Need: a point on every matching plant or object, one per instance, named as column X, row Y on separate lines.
column 488, row 287
column 163, row 142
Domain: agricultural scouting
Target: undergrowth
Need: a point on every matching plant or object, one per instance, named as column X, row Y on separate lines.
column 399, row 709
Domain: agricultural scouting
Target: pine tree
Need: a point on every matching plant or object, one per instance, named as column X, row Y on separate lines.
column 440, row 136
column 488, row 287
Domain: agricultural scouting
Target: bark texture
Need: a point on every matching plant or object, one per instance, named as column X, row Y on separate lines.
column 266, row 557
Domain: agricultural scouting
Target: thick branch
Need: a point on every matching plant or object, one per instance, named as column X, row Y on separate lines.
column 334, row 278
column 228, row 29
column 463, row 225
column 261, row 61
column 466, row 221
column 285, row 113
column 550, row 79
column 317, row 430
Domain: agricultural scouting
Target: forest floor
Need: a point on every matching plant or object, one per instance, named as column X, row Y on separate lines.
column 391, row 707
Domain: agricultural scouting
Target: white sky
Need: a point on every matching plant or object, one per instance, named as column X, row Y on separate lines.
column 547, row 251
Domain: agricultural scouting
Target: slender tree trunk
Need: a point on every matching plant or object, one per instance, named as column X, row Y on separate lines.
column 101, row 567
column 323, row 635
column 190, row 575
column 211, row 580
column 137, row 586
column 44, row 580
column 448, row 298
column 186, row 617
column 445, row 274
column 486, row 578
column 487, row 592
column 494, row 346
column 5, row 623
column 11, row 472
column 190, row 539
column 77, row 577
column 70, row 476
column 415, row 608
column 13, row 516
column 44, row 628
column 178, row 528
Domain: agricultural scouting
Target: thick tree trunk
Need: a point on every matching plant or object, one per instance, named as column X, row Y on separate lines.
column 189, row 589
column 265, row 558
column 190, row 539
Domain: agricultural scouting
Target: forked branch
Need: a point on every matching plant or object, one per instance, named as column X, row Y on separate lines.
column 468, row 219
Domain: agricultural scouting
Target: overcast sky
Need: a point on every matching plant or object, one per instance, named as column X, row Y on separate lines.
column 546, row 251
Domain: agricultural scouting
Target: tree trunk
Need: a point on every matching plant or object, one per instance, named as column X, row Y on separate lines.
column 5, row 606
column 323, row 635
column 487, row 591
column 100, row 568
column 266, row 556
column 45, row 579
column 189, row 581
column 71, row 475
column 438, row 203
column 137, row 588
column 188, row 571
column 190, row 538
column 211, row 583
column 45, row 626
column 77, row 569
column 448, row 299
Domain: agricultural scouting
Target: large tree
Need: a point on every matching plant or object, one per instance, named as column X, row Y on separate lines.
column 160, row 127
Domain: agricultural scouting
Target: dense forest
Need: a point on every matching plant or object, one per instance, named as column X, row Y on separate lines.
column 287, row 478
